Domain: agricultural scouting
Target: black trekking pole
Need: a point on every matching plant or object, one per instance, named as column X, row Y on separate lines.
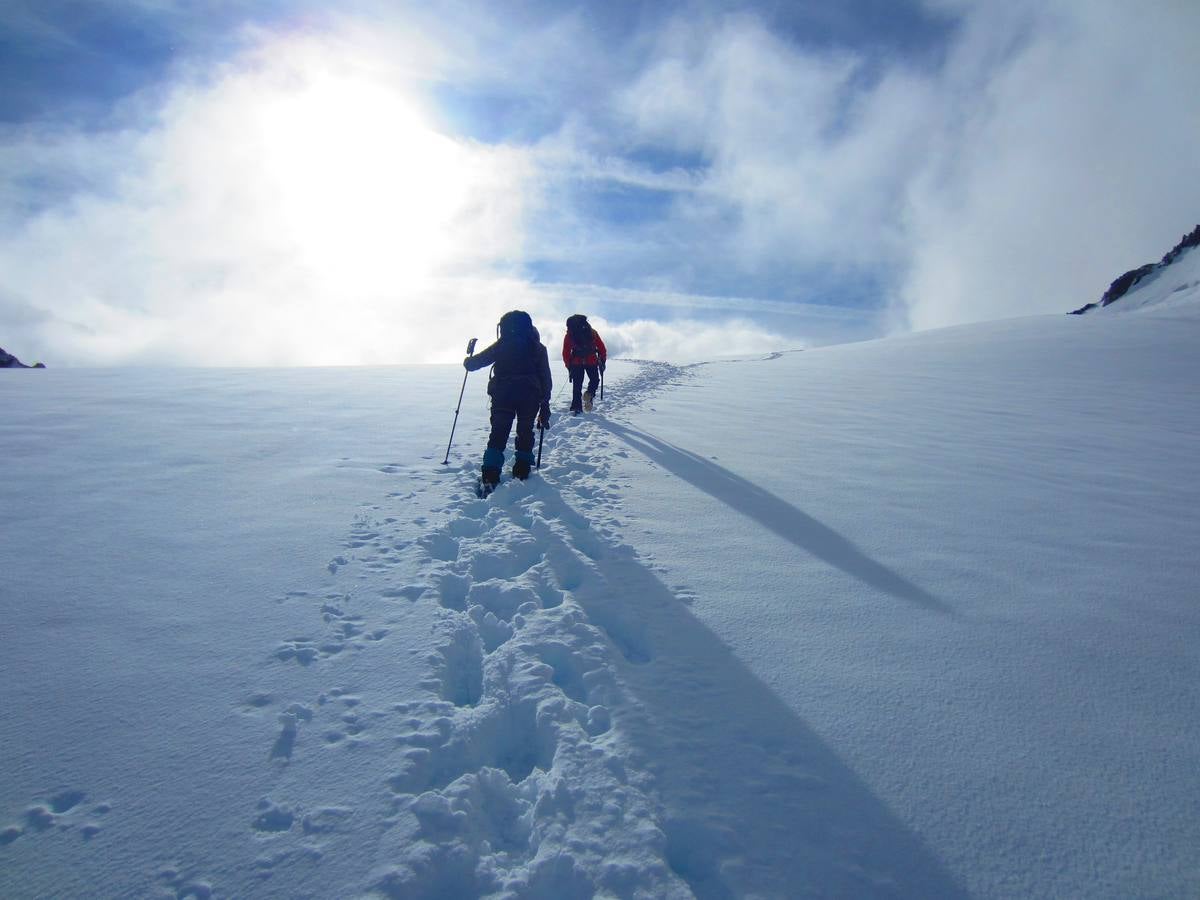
column 541, row 437
column 601, row 384
column 470, row 350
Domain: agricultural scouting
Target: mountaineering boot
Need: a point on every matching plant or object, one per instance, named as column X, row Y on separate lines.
column 489, row 474
column 587, row 401
column 522, row 464
column 489, row 480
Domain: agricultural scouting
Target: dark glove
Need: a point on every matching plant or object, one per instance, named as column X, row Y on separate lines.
column 601, row 365
column 467, row 364
column 544, row 416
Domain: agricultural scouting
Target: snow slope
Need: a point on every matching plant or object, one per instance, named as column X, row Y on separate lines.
column 908, row 618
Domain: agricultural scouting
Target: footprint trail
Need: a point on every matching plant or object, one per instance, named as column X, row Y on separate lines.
column 554, row 745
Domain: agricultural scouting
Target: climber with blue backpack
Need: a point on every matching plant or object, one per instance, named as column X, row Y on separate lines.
column 519, row 386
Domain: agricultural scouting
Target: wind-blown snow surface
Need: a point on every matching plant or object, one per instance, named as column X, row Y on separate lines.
column 910, row 618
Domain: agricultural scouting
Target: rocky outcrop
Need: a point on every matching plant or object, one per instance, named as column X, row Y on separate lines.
column 1130, row 279
column 8, row 361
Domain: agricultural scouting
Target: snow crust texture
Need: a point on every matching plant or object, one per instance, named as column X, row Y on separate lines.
column 560, row 755
column 904, row 619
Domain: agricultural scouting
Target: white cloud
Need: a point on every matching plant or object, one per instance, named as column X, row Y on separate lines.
column 808, row 156
column 686, row 340
column 299, row 204
column 1072, row 160
column 296, row 207
column 1054, row 148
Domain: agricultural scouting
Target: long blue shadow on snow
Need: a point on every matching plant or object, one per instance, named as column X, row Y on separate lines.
column 752, row 801
column 774, row 514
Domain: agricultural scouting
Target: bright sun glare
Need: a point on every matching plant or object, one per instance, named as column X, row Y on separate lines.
column 367, row 189
column 352, row 222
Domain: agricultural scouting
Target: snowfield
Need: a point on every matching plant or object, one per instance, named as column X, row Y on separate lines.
column 908, row 618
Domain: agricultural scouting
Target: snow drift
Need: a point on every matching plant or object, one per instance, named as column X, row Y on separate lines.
column 907, row 618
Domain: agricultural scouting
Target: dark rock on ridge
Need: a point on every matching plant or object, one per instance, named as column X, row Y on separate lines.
column 1130, row 279
column 8, row 361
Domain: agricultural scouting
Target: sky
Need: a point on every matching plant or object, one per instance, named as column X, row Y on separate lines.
column 290, row 183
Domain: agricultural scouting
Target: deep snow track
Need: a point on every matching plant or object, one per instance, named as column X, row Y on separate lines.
column 582, row 733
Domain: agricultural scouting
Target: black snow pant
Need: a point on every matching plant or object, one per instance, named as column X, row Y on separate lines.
column 577, row 372
column 519, row 400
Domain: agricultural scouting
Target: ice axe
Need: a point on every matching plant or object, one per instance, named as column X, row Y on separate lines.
column 470, row 351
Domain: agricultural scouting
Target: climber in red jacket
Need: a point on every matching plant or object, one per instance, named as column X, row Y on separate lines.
column 583, row 354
